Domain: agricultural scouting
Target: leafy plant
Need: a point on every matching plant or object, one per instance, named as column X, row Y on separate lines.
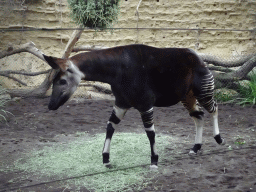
column 247, row 93
column 224, row 95
column 239, row 140
column 94, row 13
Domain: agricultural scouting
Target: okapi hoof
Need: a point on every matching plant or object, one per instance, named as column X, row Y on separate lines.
column 106, row 162
column 219, row 140
column 153, row 167
column 196, row 149
column 154, row 161
column 107, row 165
column 191, row 152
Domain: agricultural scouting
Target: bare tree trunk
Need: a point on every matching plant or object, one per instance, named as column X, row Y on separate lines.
column 41, row 90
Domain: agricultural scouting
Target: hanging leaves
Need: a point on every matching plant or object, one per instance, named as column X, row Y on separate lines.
column 94, row 13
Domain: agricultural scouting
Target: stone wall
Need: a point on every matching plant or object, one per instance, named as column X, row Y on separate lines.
column 162, row 16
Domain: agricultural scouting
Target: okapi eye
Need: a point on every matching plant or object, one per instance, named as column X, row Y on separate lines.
column 63, row 82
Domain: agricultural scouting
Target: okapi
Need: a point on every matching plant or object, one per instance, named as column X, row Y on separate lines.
column 141, row 77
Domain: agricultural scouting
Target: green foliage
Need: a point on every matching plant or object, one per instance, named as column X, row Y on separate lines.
column 239, row 140
column 247, row 94
column 94, row 13
column 224, row 95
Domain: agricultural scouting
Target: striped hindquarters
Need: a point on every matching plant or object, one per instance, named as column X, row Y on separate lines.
column 205, row 98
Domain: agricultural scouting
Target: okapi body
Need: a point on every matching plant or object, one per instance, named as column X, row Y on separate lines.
column 141, row 77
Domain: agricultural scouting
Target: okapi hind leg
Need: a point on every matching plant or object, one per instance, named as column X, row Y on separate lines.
column 148, row 121
column 206, row 99
column 216, row 132
column 115, row 118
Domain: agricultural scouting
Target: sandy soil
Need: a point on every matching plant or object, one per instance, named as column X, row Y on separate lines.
column 217, row 168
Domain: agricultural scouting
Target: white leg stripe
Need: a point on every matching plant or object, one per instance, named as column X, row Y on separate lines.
column 106, row 146
column 199, row 130
column 215, row 123
column 119, row 112
column 113, row 124
column 148, row 111
column 152, row 128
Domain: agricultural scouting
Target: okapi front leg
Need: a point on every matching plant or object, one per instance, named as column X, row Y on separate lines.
column 195, row 112
column 115, row 118
column 148, row 121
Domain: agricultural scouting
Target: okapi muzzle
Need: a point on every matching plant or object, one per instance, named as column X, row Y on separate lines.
column 65, row 83
column 62, row 90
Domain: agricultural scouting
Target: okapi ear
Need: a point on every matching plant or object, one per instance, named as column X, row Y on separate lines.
column 56, row 63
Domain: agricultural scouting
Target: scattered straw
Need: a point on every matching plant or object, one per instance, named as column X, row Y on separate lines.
column 82, row 159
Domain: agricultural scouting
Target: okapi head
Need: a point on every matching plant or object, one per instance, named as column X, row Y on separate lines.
column 65, row 82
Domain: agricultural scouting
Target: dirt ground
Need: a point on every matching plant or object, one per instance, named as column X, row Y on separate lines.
column 218, row 168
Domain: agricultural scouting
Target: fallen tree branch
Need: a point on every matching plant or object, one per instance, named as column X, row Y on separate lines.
column 27, row 47
column 243, row 71
column 240, row 74
column 217, row 61
column 39, row 91
column 14, row 78
column 221, row 69
column 7, row 72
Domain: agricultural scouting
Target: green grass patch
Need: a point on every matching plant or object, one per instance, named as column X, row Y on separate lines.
column 247, row 93
column 82, row 158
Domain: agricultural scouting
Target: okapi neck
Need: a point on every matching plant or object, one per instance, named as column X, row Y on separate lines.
column 97, row 69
